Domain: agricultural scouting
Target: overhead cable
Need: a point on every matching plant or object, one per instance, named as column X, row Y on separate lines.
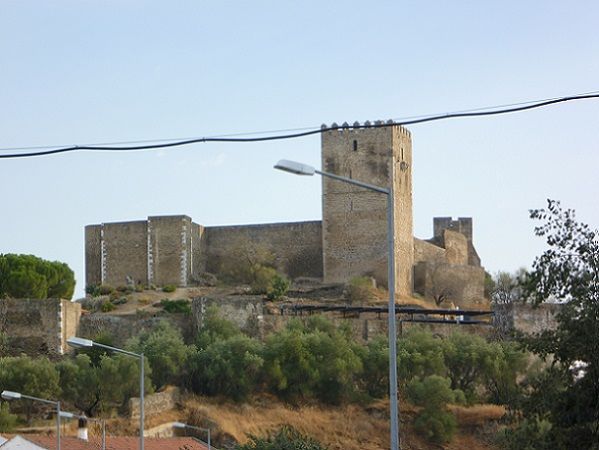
column 299, row 134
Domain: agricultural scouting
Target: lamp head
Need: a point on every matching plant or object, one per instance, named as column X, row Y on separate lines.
column 179, row 425
column 79, row 342
column 10, row 395
column 66, row 415
column 295, row 167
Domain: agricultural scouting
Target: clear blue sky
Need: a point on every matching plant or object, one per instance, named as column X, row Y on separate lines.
column 76, row 72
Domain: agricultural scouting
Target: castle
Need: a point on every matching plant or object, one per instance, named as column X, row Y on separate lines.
column 351, row 239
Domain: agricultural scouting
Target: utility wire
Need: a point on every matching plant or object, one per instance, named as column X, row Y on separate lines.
column 306, row 132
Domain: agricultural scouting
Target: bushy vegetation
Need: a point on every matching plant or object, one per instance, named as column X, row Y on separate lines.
column 314, row 359
column 165, row 351
column 7, row 420
column 433, row 393
column 361, row 290
column 27, row 276
column 33, row 376
column 286, row 438
column 169, row 288
column 226, row 361
column 278, row 287
column 179, row 306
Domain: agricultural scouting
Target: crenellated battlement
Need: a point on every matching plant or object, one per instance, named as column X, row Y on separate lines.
column 357, row 127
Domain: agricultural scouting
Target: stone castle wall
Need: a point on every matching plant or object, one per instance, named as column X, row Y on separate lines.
column 296, row 247
column 124, row 248
column 354, row 218
column 123, row 327
column 38, row 327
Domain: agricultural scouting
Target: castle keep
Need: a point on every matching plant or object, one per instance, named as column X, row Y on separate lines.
column 351, row 239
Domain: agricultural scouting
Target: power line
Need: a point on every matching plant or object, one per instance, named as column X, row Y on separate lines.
column 304, row 132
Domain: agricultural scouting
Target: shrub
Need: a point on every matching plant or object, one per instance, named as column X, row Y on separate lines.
column 468, row 358
column 169, row 288
column 107, row 306
column 315, row 359
column 286, row 438
column 361, row 290
column 120, row 301
column 106, row 289
column 7, row 420
column 181, row 306
column 375, row 360
column 262, row 279
column 229, row 367
column 419, row 354
column 139, row 287
column 278, row 289
column 34, row 376
column 93, row 290
column 529, row 434
column 433, row 421
column 215, row 328
column 165, row 351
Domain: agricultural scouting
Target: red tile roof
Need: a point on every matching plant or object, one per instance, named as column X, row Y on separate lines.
column 116, row 443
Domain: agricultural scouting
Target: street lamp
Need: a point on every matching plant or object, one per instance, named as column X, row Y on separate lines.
column 70, row 415
column 81, row 342
column 10, row 395
column 184, row 425
column 304, row 169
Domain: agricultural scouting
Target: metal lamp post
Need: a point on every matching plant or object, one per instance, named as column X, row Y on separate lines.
column 81, row 342
column 10, row 395
column 304, row 169
column 70, row 415
column 184, row 425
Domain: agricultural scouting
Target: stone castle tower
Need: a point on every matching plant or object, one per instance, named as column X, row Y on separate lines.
column 354, row 219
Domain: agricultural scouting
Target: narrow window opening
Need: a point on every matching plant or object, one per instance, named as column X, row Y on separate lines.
column 402, row 153
column 355, row 146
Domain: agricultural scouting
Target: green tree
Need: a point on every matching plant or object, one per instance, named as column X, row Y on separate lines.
column 567, row 395
column 215, row 328
column 229, row 366
column 286, row 438
column 500, row 377
column 165, row 350
column 94, row 352
column 420, row 354
column 7, row 420
column 312, row 360
column 36, row 377
column 433, row 393
column 119, row 380
column 80, row 382
column 468, row 358
column 27, row 276
column 375, row 361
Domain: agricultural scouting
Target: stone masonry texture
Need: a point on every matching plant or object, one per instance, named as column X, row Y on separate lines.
column 354, row 218
column 39, row 327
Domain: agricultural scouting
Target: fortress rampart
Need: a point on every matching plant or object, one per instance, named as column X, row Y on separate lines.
column 39, row 327
column 350, row 241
